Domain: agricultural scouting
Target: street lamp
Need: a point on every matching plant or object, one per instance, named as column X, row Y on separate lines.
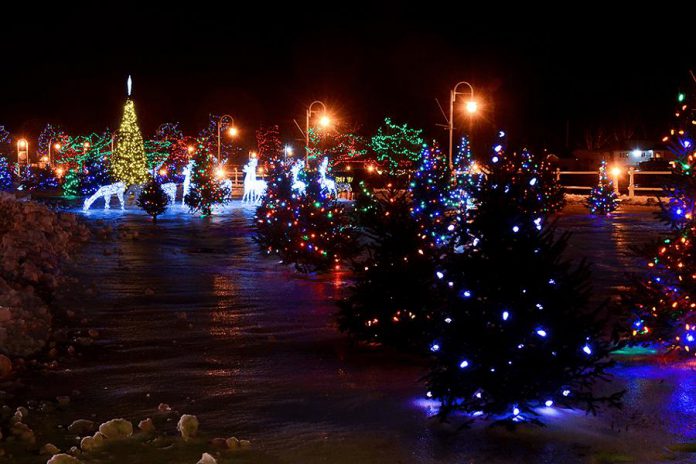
column 232, row 131
column 471, row 108
column 324, row 121
column 56, row 147
column 22, row 153
column 288, row 151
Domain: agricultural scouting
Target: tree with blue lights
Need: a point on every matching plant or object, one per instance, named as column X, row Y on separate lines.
column 515, row 331
column 663, row 299
column 430, row 189
column 38, row 179
column 603, row 198
column 5, row 175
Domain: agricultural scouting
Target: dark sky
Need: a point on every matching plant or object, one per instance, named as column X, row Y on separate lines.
column 537, row 71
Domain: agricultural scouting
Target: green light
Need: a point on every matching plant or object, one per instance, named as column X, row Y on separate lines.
column 681, row 97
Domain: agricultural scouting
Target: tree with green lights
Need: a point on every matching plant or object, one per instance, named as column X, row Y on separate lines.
column 129, row 161
column 397, row 146
column 71, row 184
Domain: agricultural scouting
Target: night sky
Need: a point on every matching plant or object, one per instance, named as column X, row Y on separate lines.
column 577, row 67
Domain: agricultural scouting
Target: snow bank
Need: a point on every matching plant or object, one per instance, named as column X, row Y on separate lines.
column 34, row 243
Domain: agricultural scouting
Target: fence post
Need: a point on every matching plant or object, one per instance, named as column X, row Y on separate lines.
column 558, row 175
column 631, row 184
column 616, row 173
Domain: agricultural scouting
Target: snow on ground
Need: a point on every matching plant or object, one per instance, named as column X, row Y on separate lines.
column 193, row 316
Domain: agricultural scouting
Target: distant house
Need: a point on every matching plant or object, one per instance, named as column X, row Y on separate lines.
column 631, row 154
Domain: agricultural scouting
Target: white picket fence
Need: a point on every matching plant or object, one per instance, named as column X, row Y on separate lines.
column 620, row 180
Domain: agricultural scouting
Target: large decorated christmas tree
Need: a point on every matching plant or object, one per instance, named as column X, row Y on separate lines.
column 515, row 329
column 664, row 299
column 129, row 162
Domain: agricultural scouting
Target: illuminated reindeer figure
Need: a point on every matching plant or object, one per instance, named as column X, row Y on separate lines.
column 254, row 189
column 297, row 184
column 106, row 192
column 326, row 184
column 188, row 170
column 168, row 187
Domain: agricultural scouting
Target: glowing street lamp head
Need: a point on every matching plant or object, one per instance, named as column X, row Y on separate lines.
column 288, row 150
column 57, row 147
column 220, row 173
column 324, row 121
column 86, row 145
column 22, row 143
column 616, row 171
column 59, row 172
column 232, row 131
column 190, row 149
column 471, row 106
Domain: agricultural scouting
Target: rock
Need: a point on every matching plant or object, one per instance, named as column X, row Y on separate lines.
column 232, row 443
column 244, row 444
column 22, row 412
column 5, row 366
column 116, row 429
column 63, row 400
column 81, row 427
column 187, row 426
column 92, row 443
column 63, row 459
column 146, row 426
column 207, row 459
column 23, row 433
column 50, row 449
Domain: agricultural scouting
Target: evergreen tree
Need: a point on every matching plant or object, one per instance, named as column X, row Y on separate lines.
column 5, row 175
column 307, row 230
column 663, row 299
column 129, row 162
column 268, row 142
column 153, row 199
column 515, row 331
column 430, row 189
column 393, row 299
column 206, row 189
column 603, row 198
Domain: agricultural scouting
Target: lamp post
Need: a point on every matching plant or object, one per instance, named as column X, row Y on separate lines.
column 288, row 151
column 22, row 153
column 324, row 122
column 57, row 147
column 233, row 131
column 471, row 107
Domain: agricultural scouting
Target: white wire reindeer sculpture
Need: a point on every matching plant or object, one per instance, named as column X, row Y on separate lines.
column 106, row 192
column 254, row 189
column 187, row 171
column 298, row 185
column 329, row 185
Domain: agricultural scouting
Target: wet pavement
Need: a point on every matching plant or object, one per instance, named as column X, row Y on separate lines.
column 190, row 314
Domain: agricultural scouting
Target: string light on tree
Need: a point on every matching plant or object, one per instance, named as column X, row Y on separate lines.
column 129, row 161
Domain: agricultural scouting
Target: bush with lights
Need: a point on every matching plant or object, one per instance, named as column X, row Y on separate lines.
column 515, row 331
column 95, row 173
column 6, row 183
column 38, row 179
column 207, row 189
column 603, row 198
column 309, row 230
column 153, row 199
column 392, row 300
column 664, row 300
